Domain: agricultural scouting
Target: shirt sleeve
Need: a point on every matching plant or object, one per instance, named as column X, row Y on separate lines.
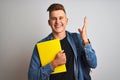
column 36, row 72
column 90, row 56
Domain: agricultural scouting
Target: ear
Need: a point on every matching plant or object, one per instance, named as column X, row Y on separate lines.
column 49, row 22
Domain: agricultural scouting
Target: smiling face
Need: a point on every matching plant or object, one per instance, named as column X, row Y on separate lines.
column 58, row 21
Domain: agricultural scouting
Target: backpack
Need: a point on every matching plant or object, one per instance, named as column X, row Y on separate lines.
column 81, row 58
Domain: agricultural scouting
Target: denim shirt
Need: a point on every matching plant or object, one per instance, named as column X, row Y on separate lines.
column 36, row 72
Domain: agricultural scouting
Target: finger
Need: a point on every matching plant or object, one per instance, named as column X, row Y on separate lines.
column 61, row 52
column 85, row 22
column 64, row 55
column 80, row 31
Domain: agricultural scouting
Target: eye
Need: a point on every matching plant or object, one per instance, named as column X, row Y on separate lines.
column 52, row 18
column 61, row 18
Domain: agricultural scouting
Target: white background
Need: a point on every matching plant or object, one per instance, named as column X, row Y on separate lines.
column 24, row 22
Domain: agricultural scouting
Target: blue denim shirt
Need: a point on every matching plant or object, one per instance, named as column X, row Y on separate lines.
column 36, row 72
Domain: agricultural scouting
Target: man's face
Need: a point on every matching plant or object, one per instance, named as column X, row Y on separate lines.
column 58, row 21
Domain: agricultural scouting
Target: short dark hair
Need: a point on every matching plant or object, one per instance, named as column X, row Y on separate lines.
column 56, row 6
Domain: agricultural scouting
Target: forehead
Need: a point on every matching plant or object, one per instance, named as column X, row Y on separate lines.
column 57, row 13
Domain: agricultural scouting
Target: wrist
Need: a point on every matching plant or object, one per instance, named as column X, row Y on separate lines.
column 86, row 42
column 53, row 64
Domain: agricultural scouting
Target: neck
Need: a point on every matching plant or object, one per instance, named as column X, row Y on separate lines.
column 59, row 35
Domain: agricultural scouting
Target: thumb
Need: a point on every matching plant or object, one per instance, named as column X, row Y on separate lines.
column 80, row 31
column 62, row 51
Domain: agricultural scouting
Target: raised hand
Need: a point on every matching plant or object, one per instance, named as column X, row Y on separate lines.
column 83, row 32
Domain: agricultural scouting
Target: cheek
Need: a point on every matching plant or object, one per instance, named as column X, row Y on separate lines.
column 65, row 22
column 51, row 23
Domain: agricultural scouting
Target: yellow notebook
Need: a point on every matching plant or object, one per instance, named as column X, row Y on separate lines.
column 47, row 51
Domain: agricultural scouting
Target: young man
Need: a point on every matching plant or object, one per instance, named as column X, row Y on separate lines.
column 78, row 60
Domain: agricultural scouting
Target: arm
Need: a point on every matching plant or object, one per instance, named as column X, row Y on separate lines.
column 90, row 56
column 89, row 52
column 36, row 72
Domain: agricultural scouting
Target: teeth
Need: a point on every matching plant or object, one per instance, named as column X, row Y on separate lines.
column 58, row 26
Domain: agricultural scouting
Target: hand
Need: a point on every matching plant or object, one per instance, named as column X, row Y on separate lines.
column 60, row 59
column 83, row 32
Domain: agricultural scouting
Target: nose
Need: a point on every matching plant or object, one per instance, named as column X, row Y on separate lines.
column 57, row 20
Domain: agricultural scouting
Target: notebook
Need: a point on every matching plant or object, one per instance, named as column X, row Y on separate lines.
column 47, row 51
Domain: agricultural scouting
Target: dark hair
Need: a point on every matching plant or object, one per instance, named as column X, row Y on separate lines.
column 56, row 6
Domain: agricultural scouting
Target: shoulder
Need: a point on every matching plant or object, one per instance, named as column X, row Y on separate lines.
column 74, row 34
column 49, row 37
